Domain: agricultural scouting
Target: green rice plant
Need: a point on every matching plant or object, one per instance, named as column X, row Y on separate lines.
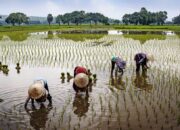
column 144, row 38
column 80, row 37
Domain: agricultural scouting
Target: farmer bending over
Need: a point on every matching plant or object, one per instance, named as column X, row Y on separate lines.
column 81, row 79
column 141, row 59
column 38, row 91
column 120, row 64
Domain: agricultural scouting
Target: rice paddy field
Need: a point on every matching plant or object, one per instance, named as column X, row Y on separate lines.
column 135, row 101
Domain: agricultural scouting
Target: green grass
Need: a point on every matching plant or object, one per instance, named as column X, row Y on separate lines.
column 15, row 36
column 20, row 33
column 31, row 28
column 148, row 27
column 80, row 37
column 144, row 37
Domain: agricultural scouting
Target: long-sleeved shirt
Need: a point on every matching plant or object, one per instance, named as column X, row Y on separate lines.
column 79, row 69
column 140, row 58
column 120, row 63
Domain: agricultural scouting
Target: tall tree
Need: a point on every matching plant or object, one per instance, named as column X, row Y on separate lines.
column 18, row 18
column 21, row 18
column 126, row 18
column 176, row 20
column 77, row 17
column 143, row 16
column 66, row 18
column 49, row 18
column 161, row 16
column 59, row 19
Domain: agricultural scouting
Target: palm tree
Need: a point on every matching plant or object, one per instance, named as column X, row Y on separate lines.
column 49, row 18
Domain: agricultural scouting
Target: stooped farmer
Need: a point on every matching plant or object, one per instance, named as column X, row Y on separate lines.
column 81, row 79
column 120, row 65
column 141, row 60
column 38, row 91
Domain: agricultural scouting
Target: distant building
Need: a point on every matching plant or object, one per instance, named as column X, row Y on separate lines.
column 34, row 22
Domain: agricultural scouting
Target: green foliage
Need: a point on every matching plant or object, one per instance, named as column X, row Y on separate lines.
column 49, row 18
column 79, row 17
column 80, row 37
column 32, row 28
column 18, row 18
column 15, row 36
column 145, row 17
column 176, row 20
column 145, row 37
column 59, row 19
column 1, row 36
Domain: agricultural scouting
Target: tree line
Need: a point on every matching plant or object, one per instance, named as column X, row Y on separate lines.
column 79, row 17
column 143, row 17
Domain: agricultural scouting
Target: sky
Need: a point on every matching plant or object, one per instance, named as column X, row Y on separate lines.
column 112, row 8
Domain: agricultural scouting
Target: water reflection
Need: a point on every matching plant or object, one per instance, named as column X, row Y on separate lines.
column 178, row 34
column 145, row 37
column 50, row 35
column 81, row 104
column 117, row 82
column 38, row 117
column 82, row 35
column 141, row 81
column 15, row 36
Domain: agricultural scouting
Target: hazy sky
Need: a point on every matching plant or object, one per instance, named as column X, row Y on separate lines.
column 111, row 8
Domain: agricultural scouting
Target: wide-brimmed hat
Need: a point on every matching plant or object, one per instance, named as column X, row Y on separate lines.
column 81, row 80
column 150, row 58
column 36, row 90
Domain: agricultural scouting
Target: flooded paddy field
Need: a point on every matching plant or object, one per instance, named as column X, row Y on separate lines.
column 143, row 101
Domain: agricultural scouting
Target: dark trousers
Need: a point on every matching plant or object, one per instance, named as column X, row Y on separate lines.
column 112, row 66
column 144, row 66
column 137, row 67
column 46, row 86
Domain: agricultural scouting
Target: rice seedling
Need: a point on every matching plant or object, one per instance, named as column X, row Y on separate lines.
column 156, row 102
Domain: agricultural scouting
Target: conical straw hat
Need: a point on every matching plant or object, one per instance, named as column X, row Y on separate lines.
column 81, row 80
column 150, row 58
column 36, row 90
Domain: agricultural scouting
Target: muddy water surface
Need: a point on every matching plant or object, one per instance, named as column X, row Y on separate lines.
column 134, row 101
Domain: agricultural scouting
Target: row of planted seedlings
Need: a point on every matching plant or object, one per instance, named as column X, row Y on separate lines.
column 141, row 109
column 58, row 51
column 128, row 50
column 50, row 52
